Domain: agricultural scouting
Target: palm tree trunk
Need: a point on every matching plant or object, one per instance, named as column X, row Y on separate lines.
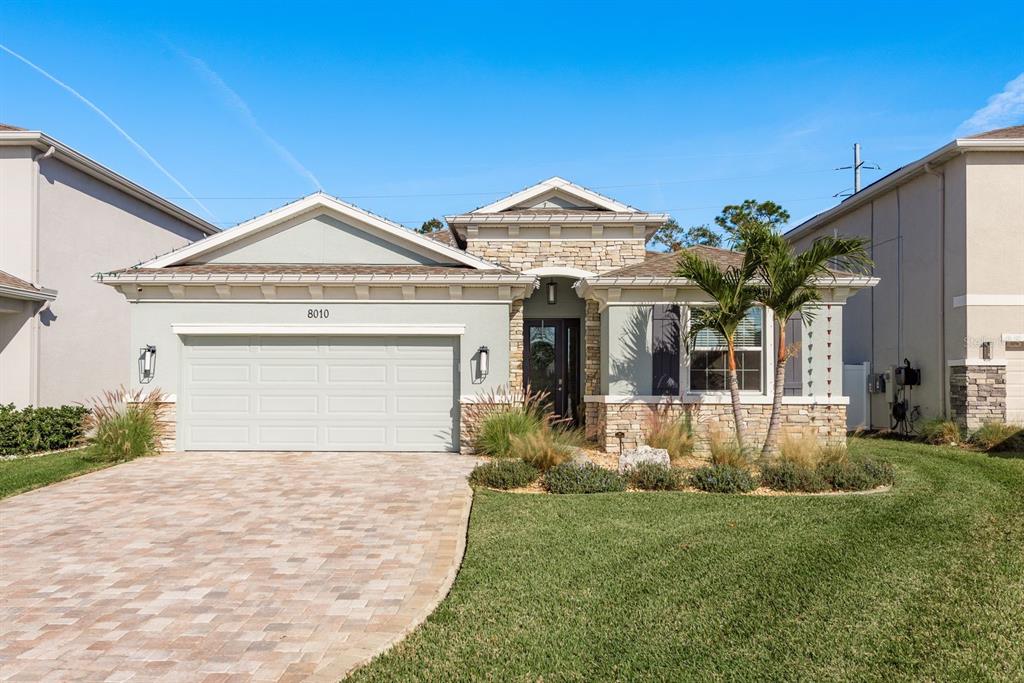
column 734, row 393
column 772, row 437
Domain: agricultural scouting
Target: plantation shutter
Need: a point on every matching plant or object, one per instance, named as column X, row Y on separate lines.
column 793, row 385
column 665, row 350
column 748, row 334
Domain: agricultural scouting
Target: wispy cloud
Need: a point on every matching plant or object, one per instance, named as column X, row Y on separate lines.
column 1005, row 108
column 134, row 143
column 235, row 101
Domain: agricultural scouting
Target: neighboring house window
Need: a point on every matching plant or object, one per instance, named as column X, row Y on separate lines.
column 709, row 362
column 665, row 350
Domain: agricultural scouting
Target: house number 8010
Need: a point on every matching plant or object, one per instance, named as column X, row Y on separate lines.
column 318, row 313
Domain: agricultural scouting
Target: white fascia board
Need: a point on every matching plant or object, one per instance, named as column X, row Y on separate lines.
column 317, row 200
column 558, row 218
column 556, row 183
column 315, row 329
column 76, row 159
column 559, row 271
column 41, row 294
column 284, row 279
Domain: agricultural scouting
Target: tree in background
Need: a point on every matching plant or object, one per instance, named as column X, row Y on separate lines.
column 432, row 225
column 674, row 237
column 738, row 221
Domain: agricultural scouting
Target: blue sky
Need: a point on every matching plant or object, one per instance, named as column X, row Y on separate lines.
column 418, row 110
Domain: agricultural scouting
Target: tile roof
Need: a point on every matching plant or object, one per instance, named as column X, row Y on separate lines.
column 8, row 280
column 1009, row 133
column 7, row 126
column 308, row 269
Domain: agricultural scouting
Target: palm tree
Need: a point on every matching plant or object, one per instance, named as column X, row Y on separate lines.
column 789, row 282
column 734, row 294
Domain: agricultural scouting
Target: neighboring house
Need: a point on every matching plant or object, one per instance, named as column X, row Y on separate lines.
column 947, row 239
column 321, row 326
column 64, row 217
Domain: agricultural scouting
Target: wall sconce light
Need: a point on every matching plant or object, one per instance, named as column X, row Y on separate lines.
column 482, row 364
column 986, row 350
column 147, row 363
column 552, row 292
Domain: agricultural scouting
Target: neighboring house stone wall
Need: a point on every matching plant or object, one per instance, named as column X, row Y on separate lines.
column 598, row 256
column 977, row 394
column 825, row 421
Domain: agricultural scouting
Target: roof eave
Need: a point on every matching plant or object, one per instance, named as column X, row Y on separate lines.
column 41, row 294
column 76, row 159
column 118, row 278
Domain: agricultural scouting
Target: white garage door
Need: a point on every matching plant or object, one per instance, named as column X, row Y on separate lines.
column 318, row 393
column 1015, row 386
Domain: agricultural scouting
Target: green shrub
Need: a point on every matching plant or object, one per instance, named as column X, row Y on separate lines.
column 791, row 476
column 939, row 432
column 33, row 430
column 652, row 476
column 570, row 477
column 722, row 479
column 546, row 447
column 122, row 424
column 858, row 475
column 507, row 473
column 998, row 436
column 675, row 436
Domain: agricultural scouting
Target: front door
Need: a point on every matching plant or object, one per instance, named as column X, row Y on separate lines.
column 552, row 362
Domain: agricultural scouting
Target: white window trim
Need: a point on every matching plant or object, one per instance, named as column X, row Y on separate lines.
column 766, row 349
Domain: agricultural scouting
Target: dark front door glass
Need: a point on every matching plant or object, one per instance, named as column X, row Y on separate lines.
column 552, row 363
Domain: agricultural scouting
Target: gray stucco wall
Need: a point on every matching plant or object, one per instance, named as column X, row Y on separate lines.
column 629, row 357
column 319, row 239
column 486, row 325
column 86, row 226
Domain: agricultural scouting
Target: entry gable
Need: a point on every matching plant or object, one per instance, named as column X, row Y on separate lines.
column 556, row 193
column 319, row 229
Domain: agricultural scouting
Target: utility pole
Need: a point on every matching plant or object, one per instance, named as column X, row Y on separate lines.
column 856, row 167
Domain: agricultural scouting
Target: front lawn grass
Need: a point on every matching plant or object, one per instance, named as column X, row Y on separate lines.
column 30, row 472
column 925, row 582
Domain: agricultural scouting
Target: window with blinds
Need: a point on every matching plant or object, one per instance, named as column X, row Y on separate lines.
column 709, row 362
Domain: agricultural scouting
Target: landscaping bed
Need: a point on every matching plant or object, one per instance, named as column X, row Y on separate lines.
column 924, row 583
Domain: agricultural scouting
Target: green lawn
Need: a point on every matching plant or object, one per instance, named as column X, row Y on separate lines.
column 925, row 582
column 26, row 473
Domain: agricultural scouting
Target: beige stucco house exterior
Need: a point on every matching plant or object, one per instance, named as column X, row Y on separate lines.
column 322, row 326
column 64, row 217
column 947, row 238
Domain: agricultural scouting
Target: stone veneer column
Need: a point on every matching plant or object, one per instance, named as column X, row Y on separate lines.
column 977, row 394
column 594, row 412
column 515, row 346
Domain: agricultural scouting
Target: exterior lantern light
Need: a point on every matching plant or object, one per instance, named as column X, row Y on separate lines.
column 483, row 355
column 552, row 292
column 147, row 363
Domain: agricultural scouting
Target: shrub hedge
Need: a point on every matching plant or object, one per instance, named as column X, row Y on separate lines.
column 570, row 477
column 507, row 473
column 859, row 475
column 33, row 430
column 792, row 476
column 652, row 476
column 722, row 479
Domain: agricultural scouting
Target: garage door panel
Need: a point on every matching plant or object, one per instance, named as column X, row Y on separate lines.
column 357, row 405
column 270, row 405
column 358, row 372
column 327, row 393
column 219, row 373
column 219, row 404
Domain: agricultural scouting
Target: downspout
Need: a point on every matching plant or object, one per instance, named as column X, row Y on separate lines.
column 36, row 363
column 944, row 384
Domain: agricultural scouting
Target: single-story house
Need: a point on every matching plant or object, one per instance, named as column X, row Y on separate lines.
column 946, row 234
column 63, row 217
column 321, row 326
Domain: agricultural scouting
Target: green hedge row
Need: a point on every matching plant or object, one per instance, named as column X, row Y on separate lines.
column 31, row 430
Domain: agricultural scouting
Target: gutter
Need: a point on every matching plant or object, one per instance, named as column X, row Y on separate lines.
column 255, row 278
column 42, row 294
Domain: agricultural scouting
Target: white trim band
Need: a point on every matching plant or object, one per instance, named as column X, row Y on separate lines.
column 718, row 399
column 326, row 330
column 988, row 300
column 975, row 361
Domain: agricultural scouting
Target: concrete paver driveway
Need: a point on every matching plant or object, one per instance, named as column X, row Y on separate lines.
column 227, row 566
